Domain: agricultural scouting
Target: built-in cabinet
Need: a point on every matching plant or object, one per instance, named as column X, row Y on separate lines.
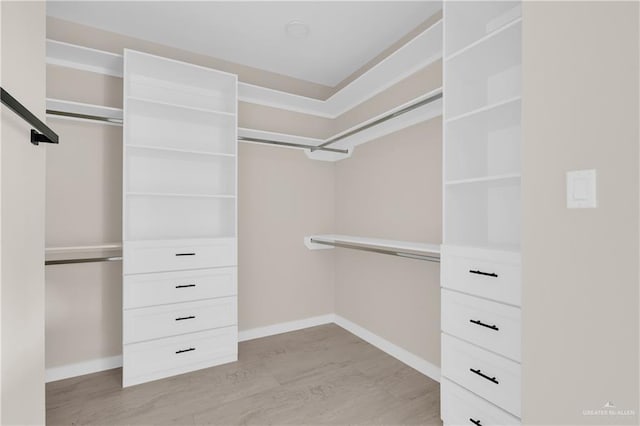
column 179, row 218
column 480, row 259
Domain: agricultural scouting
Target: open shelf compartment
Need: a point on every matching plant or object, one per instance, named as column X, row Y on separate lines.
column 157, row 171
column 485, row 144
column 170, row 81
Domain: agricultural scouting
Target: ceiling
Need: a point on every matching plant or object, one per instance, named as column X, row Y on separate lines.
column 342, row 37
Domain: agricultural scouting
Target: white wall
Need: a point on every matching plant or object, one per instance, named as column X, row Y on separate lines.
column 22, row 168
column 392, row 188
column 580, row 267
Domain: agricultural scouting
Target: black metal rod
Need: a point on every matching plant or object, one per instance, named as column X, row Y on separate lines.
column 46, row 135
column 486, row 274
column 480, row 323
column 380, row 120
column 484, row 376
column 186, row 318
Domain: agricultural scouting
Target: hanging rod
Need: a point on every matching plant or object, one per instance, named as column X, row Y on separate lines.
column 380, row 120
column 83, row 260
column 240, row 138
column 85, row 116
column 42, row 132
column 389, row 251
column 291, row 144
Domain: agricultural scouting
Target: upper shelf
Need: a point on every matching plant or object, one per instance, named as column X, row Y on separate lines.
column 409, row 249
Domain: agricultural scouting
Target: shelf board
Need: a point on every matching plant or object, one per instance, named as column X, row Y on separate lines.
column 169, row 194
column 395, row 247
column 483, row 109
column 494, row 178
column 484, row 39
column 181, row 151
column 181, row 106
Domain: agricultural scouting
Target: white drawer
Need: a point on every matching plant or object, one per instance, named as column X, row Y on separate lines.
column 172, row 255
column 156, row 359
column 173, row 287
column 488, row 273
column 491, row 325
column 491, row 376
column 458, row 406
column 170, row 320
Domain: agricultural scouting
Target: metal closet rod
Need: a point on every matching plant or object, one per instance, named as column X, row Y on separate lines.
column 379, row 250
column 85, row 116
column 240, row 138
column 291, row 144
column 322, row 147
column 85, row 260
column 379, row 120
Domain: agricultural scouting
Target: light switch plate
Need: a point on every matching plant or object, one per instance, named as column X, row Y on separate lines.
column 581, row 189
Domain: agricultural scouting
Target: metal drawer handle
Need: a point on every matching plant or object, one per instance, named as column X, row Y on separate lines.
column 479, row 373
column 486, row 274
column 475, row 422
column 185, row 285
column 186, row 318
column 478, row 322
column 185, row 350
column 185, row 254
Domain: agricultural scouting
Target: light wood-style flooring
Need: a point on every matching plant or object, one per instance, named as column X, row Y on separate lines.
column 320, row 375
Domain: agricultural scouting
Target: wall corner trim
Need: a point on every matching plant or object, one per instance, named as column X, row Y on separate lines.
column 421, row 365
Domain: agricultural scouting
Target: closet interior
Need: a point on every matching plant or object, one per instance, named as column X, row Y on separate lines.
column 214, row 216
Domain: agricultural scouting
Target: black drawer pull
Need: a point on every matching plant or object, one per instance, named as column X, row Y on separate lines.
column 185, row 254
column 475, row 422
column 186, row 318
column 185, row 350
column 185, row 285
column 479, row 373
column 478, row 322
column 486, row 274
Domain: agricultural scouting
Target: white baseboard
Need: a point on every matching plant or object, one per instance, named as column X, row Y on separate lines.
column 284, row 327
column 412, row 360
column 82, row 368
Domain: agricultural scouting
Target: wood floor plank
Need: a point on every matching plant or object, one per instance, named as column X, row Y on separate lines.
column 320, row 375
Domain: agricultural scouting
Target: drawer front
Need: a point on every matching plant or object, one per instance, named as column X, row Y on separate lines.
column 491, row 376
column 458, row 406
column 143, row 362
column 158, row 256
column 170, row 320
column 483, row 273
column 491, row 325
column 174, row 287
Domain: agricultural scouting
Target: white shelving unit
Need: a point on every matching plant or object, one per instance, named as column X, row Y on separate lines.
column 480, row 261
column 179, row 217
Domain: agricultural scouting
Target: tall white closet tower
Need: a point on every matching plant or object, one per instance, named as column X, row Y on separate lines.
column 179, row 218
column 480, row 270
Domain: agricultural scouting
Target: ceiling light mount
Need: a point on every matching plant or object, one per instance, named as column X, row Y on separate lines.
column 296, row 29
